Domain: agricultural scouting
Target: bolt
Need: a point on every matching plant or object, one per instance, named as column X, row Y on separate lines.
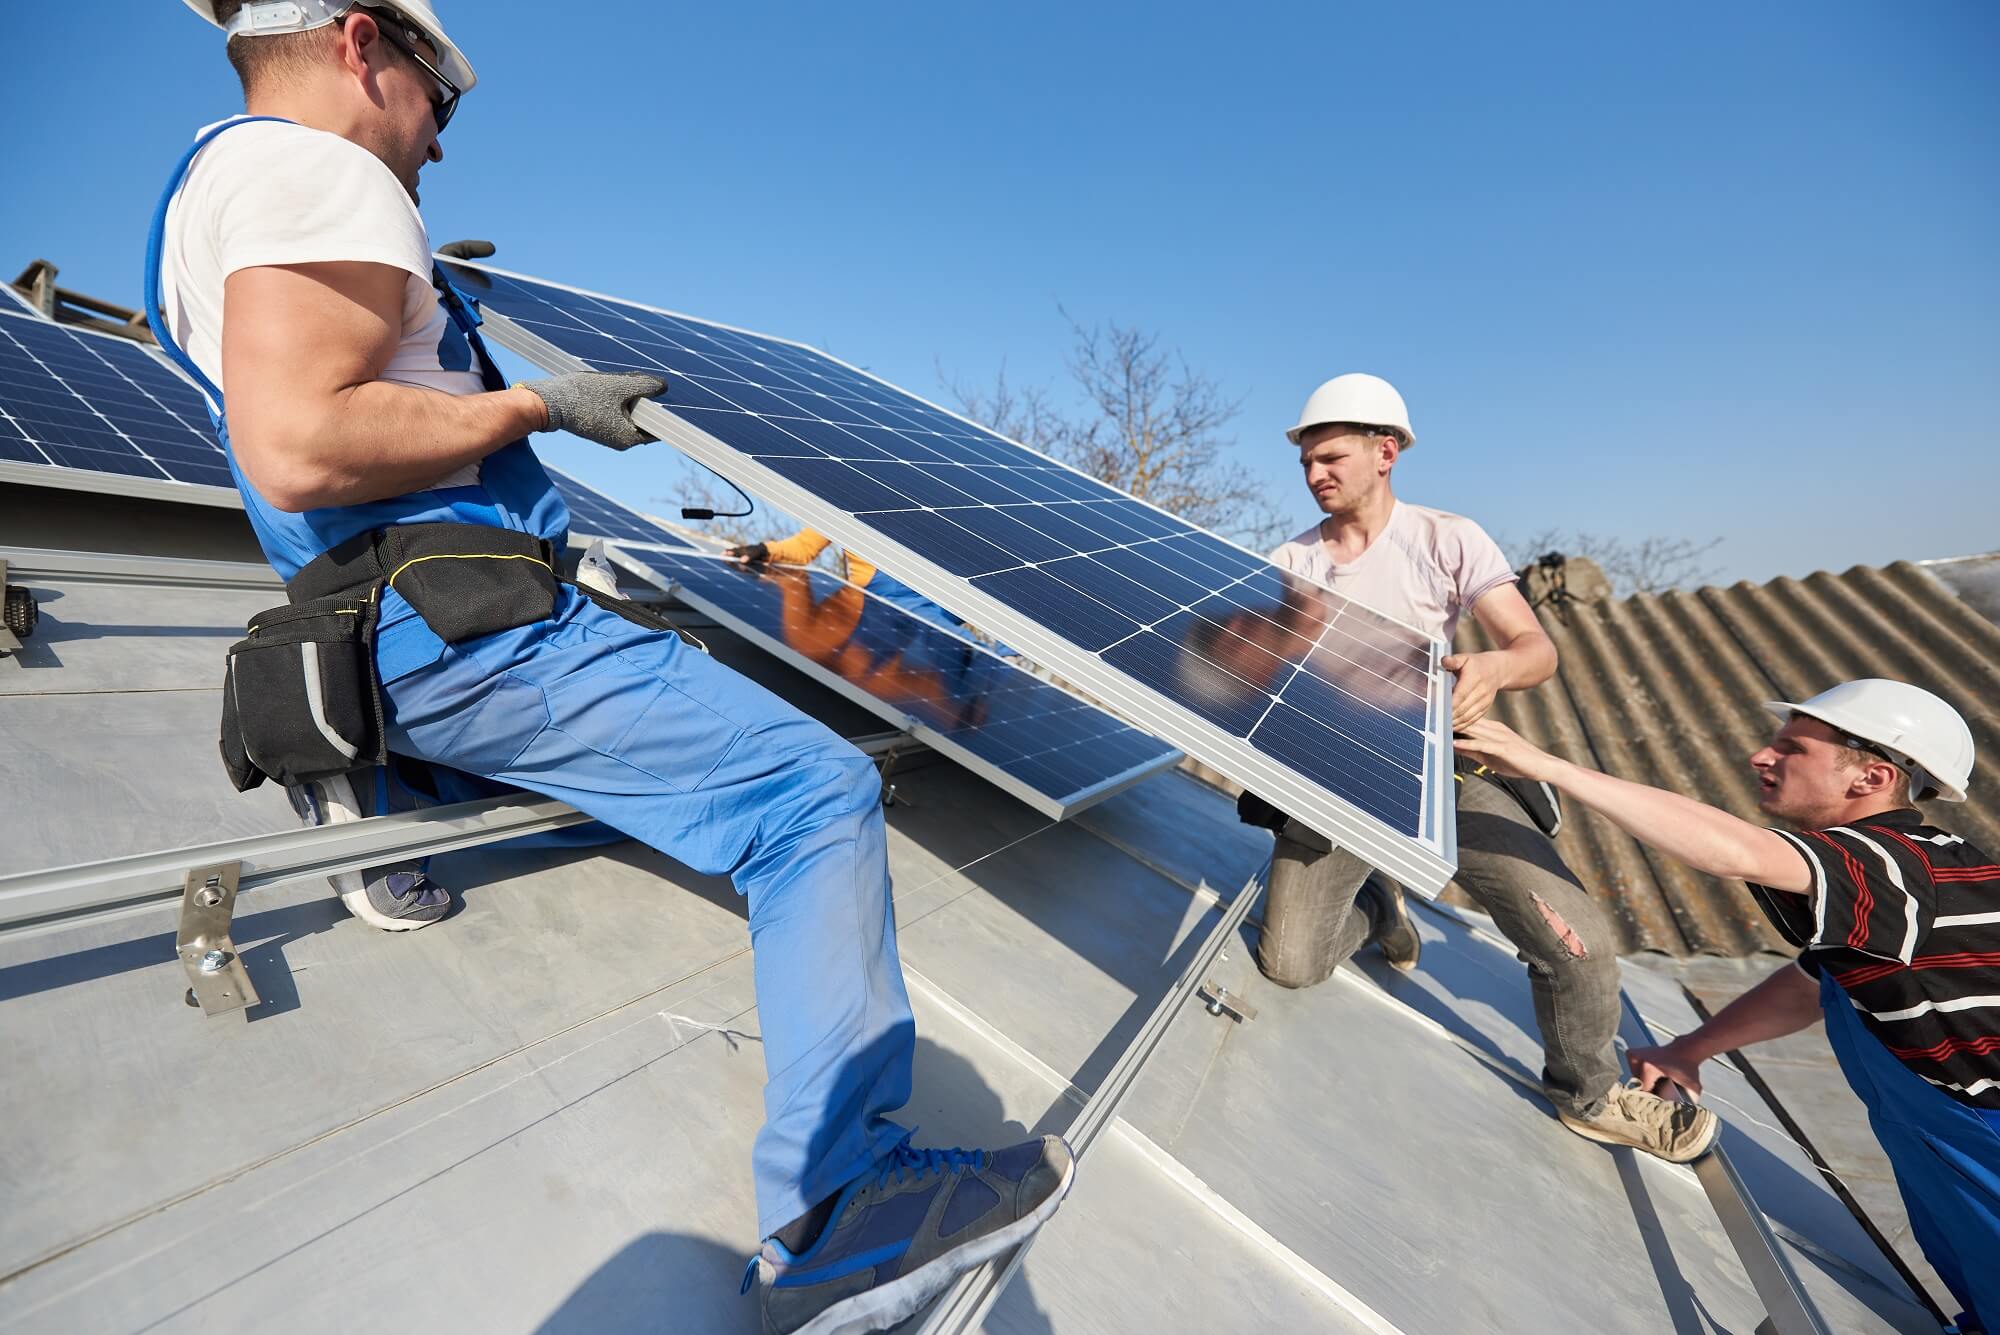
column 207, row 898
column 213, row 961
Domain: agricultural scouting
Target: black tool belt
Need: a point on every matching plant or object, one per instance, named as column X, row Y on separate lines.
column 303, row 699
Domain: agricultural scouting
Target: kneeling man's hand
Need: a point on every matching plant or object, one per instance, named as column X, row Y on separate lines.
column 1480, row 677
column 597, row 405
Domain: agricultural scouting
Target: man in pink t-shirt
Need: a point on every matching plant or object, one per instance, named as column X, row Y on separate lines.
column 1428, row 568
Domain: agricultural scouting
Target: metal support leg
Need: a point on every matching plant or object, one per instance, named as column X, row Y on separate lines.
column 218, row 982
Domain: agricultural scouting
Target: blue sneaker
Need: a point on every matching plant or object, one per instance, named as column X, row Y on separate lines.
column 399, row 898
column 900, row 1234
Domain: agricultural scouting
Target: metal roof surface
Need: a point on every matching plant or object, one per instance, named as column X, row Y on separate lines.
column 1667, row 689
column 536, row 1116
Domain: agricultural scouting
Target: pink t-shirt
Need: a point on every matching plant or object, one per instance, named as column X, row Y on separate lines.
column 1425, row 568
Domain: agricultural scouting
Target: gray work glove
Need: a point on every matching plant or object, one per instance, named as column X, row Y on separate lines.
column 597, row 405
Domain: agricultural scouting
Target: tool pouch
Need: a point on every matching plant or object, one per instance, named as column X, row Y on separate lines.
column 467, row 580
column 1539, row 800
column 301, row 699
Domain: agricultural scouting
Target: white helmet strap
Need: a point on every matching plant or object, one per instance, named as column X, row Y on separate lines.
column 268, row 18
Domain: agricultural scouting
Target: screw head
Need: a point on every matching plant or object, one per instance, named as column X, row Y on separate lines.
column 213, row 961
column 207, row 899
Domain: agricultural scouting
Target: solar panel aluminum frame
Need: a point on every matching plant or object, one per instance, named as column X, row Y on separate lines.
column 623, row 554
column 1425, row 864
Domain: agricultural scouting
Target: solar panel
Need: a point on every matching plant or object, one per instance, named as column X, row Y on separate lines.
column 1052, row 750
column 1329, row 709
column 94, row 403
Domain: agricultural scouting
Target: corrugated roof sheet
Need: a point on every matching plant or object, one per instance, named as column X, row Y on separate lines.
column 1666, row 689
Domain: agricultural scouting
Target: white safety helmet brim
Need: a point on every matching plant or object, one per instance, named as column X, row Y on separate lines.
column 271, row 17
column 1916, row 729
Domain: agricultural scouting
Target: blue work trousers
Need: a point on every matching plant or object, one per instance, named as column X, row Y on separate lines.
column 1946, row 1155
column 658, row 741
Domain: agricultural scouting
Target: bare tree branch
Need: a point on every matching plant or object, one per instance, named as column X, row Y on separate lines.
column 1642, row 565
column 1149, row 424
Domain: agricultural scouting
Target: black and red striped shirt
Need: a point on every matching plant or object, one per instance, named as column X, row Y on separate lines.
column 1906, row 918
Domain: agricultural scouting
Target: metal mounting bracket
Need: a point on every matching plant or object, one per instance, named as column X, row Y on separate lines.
column 1220, row 1001
column 8, row 641
column 218, row 982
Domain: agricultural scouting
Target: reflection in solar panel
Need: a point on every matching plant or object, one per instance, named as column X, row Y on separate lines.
column 1321, row 705
column 101, row 404
column 1052, row 750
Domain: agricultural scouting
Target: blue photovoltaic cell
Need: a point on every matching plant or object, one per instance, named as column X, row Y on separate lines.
column 1319, row 684
column 1037, row 734
column 100, row 404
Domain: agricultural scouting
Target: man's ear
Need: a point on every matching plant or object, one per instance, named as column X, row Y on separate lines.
column 359, row 36
column 1878, row 776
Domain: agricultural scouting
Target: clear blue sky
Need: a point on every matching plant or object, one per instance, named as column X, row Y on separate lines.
column 1688, row 270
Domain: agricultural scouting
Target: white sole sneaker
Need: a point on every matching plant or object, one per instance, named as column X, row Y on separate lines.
column 339, row 806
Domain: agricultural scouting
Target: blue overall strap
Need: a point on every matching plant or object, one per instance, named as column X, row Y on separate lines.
column 465, row 314
column 156, row 247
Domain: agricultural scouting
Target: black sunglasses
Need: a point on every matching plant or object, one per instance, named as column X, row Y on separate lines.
column 405, row 38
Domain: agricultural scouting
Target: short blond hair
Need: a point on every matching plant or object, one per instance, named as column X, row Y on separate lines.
column 258, row 61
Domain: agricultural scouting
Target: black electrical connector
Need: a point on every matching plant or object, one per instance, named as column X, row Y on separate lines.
column 703, row 512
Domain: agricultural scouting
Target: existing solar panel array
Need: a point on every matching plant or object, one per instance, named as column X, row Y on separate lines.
column 100, row 404
column 93, row 403
column 1048, row 748
column 1325, row 707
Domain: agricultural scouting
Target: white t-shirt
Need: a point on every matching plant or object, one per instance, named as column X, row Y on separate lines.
column 275, row 193
column 1424, row 568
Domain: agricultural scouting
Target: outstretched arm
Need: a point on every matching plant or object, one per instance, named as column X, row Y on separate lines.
column 1784, row 1003
column 1700, row 835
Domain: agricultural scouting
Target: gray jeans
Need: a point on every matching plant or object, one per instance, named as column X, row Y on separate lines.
column 1512, row 871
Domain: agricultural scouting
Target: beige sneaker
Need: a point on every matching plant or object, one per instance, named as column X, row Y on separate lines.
column 1676, row 1132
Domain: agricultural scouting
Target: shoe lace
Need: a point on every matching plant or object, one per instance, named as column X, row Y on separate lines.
column 1664, row 1117
column 415, row 887
column 907, row 1163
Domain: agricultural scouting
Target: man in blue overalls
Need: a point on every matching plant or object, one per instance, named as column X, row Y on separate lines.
column 1899, row 924
column 383, row 464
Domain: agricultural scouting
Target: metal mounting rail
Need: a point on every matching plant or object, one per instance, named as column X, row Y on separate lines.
column 113, row 568
column 967, row 1301
column 1790, row 1307
column 66, row 894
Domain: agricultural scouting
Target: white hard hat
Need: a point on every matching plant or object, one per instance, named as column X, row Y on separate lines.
column 1365, row 400
column 1916, row 729
column 266, row 18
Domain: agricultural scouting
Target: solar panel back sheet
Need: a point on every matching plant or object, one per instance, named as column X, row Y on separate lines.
column 1052, row 750
column 1332, row 711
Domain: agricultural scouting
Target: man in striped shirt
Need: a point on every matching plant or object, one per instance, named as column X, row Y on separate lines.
column 1899, row 927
